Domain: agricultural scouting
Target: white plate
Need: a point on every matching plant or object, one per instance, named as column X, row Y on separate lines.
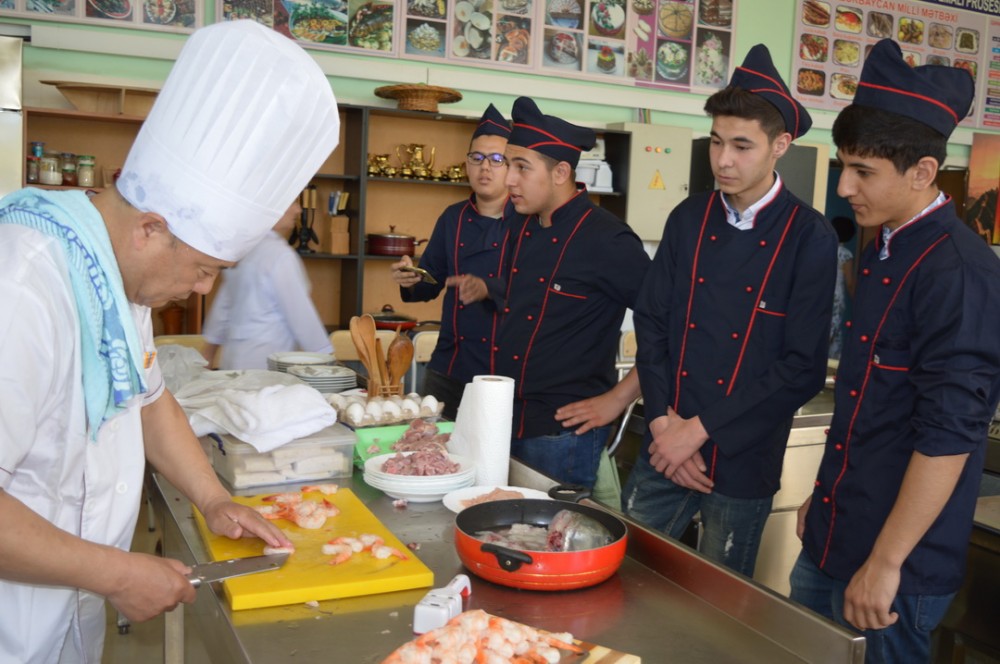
column 453, row 500
column 296, row 357
column 321, row 372
column 419, row 498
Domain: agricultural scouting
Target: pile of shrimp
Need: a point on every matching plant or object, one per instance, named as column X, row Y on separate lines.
column 477, row 637
column 342, row 548
column 311, row 514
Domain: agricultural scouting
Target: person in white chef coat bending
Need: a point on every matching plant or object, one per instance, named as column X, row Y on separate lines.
column 83, row 401
column 263, row 305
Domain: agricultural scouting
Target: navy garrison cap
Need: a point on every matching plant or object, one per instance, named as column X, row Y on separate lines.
column 758, row 75
column 492, row 124
column 937, row 96
column 547, row 134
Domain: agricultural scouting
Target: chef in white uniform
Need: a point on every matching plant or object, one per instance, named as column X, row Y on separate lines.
column 225, row 150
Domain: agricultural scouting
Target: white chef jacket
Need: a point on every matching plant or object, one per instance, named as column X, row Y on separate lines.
column 89, row 489
column 263, row 307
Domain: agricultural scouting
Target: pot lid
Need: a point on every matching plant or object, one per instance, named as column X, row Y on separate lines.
column 392, row 234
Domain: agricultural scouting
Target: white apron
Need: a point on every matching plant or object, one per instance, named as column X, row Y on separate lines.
column 89, row 489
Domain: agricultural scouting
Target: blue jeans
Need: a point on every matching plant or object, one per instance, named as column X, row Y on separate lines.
column 731, row 526
column 908, row 641
column 565, row 456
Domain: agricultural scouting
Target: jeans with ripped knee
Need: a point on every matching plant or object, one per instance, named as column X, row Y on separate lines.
column 731, row 527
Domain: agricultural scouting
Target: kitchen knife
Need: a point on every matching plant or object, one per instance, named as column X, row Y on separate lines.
column 224, row 569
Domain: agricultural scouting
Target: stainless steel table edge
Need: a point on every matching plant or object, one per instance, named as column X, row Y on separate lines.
column 804, row 635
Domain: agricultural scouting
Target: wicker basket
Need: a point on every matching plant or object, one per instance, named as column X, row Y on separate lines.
column 419, row 97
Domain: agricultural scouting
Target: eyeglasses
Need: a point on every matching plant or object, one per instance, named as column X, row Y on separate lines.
column 495, row 159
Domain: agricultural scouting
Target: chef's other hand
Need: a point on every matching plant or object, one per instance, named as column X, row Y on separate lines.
column 589, row 413
column 470, row 288
column 869, row 595
column 232, row 520
column 691, row 475
column 800, row 522
column 404, row 279
column 150, row 585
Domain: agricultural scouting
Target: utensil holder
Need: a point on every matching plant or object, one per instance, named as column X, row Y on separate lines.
column 390, row 390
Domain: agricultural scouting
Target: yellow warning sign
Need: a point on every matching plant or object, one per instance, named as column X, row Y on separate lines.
column 657, row 181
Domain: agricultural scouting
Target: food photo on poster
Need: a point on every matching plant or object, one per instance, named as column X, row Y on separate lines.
column 562, row 50
column 472, row 30
column 564, row 14
column 513, row 39
column 607, row 18
column 605, row 57
column 711, row 59
column 425, row 37
column 673, row 62
column 118, row 10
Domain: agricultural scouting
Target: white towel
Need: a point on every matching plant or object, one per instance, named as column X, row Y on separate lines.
column 267, row 418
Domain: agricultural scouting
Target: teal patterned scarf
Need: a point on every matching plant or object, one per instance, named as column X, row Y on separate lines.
column 112, row 354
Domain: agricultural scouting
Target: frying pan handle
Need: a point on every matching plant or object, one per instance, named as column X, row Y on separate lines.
column 509, row 559
column 573, row 493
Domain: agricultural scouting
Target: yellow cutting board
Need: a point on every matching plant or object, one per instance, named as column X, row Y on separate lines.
column 601, row 655
column 308, row 574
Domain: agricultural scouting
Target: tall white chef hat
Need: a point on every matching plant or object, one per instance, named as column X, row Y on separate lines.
column 244, row 120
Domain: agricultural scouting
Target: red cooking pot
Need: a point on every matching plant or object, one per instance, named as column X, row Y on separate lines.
column 392, row 243
column 536, row 570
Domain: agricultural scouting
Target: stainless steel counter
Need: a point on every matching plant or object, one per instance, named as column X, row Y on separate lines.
column 666, row 602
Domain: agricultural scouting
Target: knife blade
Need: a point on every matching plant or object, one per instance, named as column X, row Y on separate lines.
column 224, row 569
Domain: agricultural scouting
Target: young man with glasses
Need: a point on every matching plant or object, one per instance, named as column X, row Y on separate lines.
column 469, row 238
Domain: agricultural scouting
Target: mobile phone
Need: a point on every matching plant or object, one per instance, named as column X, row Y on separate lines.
column 424, row 274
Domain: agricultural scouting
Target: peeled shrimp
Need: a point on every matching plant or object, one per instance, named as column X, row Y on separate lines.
column 341, row 552
column 286, row 498
column 268, row 550
column 353, row 542
column 325, row 489
column 382, row 552
column 369, row 541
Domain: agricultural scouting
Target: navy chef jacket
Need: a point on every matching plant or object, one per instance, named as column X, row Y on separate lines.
column 920, row 372
column 733, row 326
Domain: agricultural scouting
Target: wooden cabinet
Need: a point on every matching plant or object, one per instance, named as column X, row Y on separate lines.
column 343, row 284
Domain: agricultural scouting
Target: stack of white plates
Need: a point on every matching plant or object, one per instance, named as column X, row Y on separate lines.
column 419, row 489
column 325, row 378
column 281, row 361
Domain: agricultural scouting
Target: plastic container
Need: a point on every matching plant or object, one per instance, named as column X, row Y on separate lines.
column 324, row 455
column 37, row 148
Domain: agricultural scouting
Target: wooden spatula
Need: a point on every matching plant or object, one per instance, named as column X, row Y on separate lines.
column 366, row 329
column 400, row 358
column 357, row 336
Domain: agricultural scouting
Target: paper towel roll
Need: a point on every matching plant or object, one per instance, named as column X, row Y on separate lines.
column 482, row 427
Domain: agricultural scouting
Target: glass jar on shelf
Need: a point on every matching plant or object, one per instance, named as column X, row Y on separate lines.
column 68, row 169
column 49, row 171
column 85, row 170
column 31, row 171
column 38, row 149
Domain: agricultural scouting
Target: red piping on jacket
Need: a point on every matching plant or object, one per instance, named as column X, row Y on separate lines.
column 454, row 306
column 861, row 397
column 541, row 314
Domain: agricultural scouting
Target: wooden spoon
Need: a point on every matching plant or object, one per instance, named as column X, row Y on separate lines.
column 400, row 358
column 366, row 328
column 357, row 336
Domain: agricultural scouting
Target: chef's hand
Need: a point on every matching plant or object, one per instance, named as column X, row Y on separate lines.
column 800, row 522
column 405, row 279
column 590, row 413
column 691, row 475
column 232, row 520
column 470, row 287
column 149, row 585
column 869, row 595
column 675, row 441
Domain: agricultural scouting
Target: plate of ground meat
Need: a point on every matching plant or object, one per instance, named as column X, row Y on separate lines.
column 459, row 499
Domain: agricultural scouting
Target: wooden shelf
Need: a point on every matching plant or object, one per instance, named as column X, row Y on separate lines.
column 349, row 284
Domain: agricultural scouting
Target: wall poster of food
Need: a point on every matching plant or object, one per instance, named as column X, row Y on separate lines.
column 982, row 213
column 833, row 37
column 166, row 15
